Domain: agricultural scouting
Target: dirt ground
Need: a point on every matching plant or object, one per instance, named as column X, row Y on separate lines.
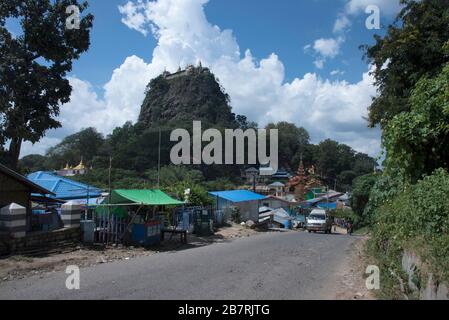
column 352, row 275
column 18, row 267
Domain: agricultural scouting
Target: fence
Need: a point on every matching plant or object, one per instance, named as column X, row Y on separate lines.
column 110, row 228
column 186, row 218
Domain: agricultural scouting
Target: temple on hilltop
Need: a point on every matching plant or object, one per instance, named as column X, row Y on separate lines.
column 190, row 70
column 303, row 182
column 70, row 171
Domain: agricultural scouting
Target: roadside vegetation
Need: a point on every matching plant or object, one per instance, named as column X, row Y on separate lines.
column 406, row 206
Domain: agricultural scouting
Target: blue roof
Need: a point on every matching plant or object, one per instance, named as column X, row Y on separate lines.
column 330, row 205
column 65, row 189
column 238, row 195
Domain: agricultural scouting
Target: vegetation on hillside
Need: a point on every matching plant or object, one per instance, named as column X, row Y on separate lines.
column 408, row 207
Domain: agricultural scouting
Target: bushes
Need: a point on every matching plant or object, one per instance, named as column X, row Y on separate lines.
column 418, row 220
column 385, row 188
column 361, row 190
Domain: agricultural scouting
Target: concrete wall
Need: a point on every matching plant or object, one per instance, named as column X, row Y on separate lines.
column 11, row 245
column 422, row 284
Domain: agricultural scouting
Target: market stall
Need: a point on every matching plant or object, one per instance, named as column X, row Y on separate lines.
column 133, row 216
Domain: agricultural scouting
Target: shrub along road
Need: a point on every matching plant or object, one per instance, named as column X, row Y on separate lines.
column 290, row 265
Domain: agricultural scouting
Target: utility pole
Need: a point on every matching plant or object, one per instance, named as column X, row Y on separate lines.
column 109, row 202
column 159, row 161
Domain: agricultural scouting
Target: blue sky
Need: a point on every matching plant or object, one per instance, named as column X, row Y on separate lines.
column 298, row 67
column 284, row 27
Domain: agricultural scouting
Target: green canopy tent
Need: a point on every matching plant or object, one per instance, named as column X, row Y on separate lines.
column 119, row 199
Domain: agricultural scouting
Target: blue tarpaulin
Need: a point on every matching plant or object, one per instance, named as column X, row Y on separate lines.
column 238, row 195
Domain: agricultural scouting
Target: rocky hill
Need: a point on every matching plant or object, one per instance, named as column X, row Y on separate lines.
column 175, row 100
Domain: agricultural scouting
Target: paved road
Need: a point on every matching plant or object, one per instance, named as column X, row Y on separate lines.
column 269, row 266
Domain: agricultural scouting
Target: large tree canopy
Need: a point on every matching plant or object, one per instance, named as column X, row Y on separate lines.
column 411, row 49
column 292, row 140
column 417, row 142
column 33, row 66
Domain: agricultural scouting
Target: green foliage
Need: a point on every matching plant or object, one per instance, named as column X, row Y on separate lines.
column 171, row 175
column 340, row 163
column 292, row 140
column 411, row 49
column 417, row 220
column 384, row 190
column 417, row 142
column 120, row 179
column 83, row 145
column 33, row 163
column 198, row 195
column 361, row 191
column 236, row 217
column 33, row 68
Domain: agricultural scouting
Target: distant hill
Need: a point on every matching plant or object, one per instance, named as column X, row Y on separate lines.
column 175, row 100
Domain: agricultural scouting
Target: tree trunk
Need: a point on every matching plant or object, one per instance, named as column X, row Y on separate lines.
column 14, row 152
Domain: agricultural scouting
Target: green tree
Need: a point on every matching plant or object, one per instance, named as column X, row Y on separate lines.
column 417, row 142
column 83, row 145
column 327, row 159
column 361, row 191
column 33, row 67
column 33, row 162
column 412, row 48
column 198, row 195
column 292, row 140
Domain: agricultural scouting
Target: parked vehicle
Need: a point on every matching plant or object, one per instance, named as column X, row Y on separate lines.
column 319, row 221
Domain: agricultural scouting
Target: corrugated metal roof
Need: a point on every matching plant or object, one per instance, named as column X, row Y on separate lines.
column 64, row 188
column 238, row 195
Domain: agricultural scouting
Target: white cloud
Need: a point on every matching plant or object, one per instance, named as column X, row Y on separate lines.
column 341, row 24
column 337, row 72
column 133, row 17
column 257, row 87
column 327, row 48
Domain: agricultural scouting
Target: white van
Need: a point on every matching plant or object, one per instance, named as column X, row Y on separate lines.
column 319, row 220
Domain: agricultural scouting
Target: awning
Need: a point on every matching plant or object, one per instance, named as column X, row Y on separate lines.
column 143, row 197
column 121, row 198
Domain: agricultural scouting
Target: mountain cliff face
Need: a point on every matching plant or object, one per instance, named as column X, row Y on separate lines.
column 175, row 100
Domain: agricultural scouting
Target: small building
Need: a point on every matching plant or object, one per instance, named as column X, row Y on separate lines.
column 281, row 175
column 246, row 201
column 15, row 188
column 278, row 202
column 278, row 188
